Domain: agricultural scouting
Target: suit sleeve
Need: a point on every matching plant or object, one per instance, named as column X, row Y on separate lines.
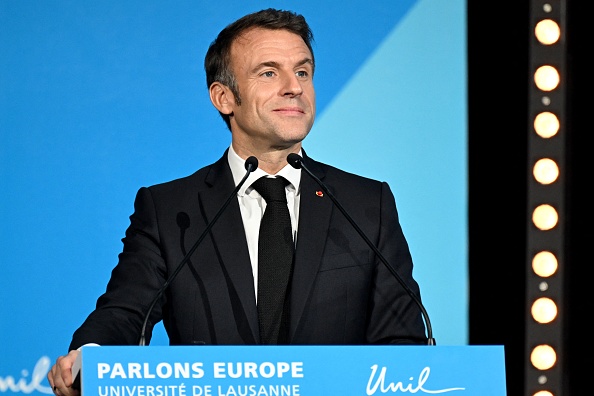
column 394, row 317
column 134, row 283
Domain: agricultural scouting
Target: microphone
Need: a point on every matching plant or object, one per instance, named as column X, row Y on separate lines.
column 297, row 162
column 251, row 164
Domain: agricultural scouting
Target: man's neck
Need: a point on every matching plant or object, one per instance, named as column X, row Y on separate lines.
column 270, row 161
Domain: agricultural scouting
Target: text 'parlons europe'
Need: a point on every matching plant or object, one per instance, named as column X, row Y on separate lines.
column 165, row 370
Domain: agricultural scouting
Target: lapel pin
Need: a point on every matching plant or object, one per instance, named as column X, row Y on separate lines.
column 319, row 193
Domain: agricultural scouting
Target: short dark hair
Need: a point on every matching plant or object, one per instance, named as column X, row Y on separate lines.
column 217, row 62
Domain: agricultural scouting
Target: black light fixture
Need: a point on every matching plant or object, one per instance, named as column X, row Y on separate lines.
column 546, row 230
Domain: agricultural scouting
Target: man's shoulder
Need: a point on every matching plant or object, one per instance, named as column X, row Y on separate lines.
column 334, row 173
column 182, row 183
column 194, row 180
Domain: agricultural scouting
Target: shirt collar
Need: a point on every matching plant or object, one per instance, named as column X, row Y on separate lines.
column 238, row 170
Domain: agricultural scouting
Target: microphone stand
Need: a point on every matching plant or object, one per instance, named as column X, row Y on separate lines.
column 297, row 162
column 251, row 164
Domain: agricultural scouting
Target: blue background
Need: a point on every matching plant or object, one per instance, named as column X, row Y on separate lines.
column 100, row 98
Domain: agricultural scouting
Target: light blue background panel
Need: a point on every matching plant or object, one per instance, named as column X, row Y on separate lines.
column 100, row 98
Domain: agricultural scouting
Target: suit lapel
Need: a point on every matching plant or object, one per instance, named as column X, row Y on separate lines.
column 229, row 237
column 314, row 221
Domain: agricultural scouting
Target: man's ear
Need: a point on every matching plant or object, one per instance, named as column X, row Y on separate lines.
column 221, row 97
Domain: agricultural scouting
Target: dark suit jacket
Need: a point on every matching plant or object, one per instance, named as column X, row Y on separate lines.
column 340, row 292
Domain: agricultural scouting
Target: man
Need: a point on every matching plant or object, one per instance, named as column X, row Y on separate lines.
column 260, row 78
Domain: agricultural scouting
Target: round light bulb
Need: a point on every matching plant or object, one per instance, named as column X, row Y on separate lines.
column 543, row 393
column 546, row 124
column 547, row 32
column 544, row 310
column 545, row 217
column 546, row 78
column 544, row 264
column 545, row 171
column 543, row 357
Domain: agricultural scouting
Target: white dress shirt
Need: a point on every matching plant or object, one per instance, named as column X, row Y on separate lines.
column 252, row 204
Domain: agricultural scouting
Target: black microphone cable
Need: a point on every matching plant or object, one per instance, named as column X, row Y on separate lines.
column 251, row 164
column 297, row 162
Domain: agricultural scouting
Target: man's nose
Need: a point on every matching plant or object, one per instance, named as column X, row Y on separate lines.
column 291, row 85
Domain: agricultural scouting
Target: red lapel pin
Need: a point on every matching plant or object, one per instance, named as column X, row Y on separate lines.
column 319, row 193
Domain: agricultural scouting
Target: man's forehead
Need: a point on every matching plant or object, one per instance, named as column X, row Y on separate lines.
column 261, row 36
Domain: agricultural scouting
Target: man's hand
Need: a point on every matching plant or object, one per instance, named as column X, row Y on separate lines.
column 60, row 375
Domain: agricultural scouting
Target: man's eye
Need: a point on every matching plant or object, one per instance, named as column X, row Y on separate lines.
column 268, row 74
column 302, row 73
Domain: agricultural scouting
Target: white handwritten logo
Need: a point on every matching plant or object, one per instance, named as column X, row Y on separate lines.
column 379, row 385
column 40, row 371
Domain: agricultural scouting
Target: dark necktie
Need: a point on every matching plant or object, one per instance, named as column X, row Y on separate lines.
column 275, row 260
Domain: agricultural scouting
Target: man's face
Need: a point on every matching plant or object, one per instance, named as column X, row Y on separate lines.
column 274, row 72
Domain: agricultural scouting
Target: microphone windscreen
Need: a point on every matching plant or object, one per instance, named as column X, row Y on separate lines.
column 251, row 164
column 183, row 220
column 294, row 160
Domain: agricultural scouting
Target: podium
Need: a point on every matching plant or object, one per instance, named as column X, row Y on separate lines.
column 291, row 370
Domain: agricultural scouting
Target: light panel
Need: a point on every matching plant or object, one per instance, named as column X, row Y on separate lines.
column 546, row 201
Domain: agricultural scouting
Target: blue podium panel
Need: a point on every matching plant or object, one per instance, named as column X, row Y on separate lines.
column 292, row 370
